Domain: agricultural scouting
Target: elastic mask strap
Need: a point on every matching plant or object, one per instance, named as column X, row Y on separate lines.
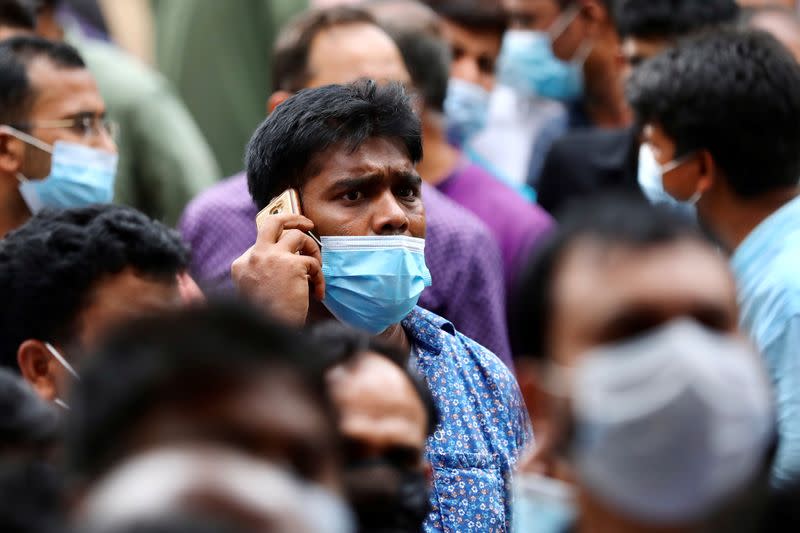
column 30, row 139
column 60, row 359
column 694, row 198
column 562, row 23
column 62, row 404
column 675, row 163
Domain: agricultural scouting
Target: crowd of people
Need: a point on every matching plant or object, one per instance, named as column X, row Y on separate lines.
column 525, row 266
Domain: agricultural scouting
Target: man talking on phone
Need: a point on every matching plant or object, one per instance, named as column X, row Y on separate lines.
column 349, row 152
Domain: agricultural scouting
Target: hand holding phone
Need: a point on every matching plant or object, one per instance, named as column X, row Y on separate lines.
column 286, row 202
column 282, row 269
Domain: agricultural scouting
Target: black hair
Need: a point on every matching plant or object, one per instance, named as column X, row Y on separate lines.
column 28, row 425
column 341, row 345
column 613, row 219
column 16, row 55
column 671, row 19
column 174, row 359
column 475, row 15
column 426, row 53
column 18, row 14
column 290, row 69
column 735, row 93
column 49, row 266
column 285, row 149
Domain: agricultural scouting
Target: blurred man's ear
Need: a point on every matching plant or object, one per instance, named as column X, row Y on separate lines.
column 12, row 153
column 38, row 368
column 276, row 99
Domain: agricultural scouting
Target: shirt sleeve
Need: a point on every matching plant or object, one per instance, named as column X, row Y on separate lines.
column 783, row 357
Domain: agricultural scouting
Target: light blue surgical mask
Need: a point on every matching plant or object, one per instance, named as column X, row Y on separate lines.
column 541, row 505
column 79, row 175
column 466, row 108
column 373, row 282
column 527, row 63
column 651, row 180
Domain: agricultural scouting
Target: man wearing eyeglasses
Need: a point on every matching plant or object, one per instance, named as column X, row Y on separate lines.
column 56, row 146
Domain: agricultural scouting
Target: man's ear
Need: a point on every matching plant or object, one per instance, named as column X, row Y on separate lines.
column 708, row 169
column 276, row 99
column 12, row 153
column 38, row 368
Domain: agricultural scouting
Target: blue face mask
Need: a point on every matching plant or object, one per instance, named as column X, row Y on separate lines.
column 466, row 107
column 542, row 505
column 373, row 282
column 79, row 176
column 527, row 63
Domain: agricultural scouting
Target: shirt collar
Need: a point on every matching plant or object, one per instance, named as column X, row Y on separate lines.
column 425, row 329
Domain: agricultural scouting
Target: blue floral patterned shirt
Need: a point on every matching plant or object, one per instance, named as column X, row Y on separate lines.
column 483, row 427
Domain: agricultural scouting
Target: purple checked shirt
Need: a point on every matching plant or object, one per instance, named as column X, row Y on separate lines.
column 517, row 224
column 460, row 251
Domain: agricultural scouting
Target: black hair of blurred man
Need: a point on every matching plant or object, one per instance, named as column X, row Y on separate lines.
column 729, row 103
column 16, row 17
column 222, row 374
column 67, row 277
column 386, row 414
column 615, row 268
column 647, row 27
column 584, row 30
column 474, row 29
column 783, row 23
column 41, row 81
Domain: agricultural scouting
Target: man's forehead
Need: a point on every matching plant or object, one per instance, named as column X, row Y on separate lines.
column 596, row 274
column 62, row 91
column 346, row 53
column 375, row 155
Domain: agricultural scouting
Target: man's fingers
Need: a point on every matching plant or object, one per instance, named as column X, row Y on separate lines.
column 315, row 277
column 274, row 226
column 294, row 241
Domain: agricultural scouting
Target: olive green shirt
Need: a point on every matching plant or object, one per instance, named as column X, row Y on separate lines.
column 217, row 53
column 164, row 160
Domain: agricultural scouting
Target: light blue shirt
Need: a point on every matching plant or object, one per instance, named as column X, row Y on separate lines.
column 767, row 269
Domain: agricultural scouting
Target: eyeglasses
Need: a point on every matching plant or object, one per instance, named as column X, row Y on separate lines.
column 84, row 125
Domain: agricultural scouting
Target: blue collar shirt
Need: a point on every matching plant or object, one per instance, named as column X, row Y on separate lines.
column 483, row 428
column 767, row 269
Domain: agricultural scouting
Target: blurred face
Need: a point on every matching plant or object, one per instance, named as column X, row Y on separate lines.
column 474, row 54
column 344, row 54
column 380, row 413
column 62, row 94
column 605, row 294
column 374, row 190
column 112, row 302
column 635, row 290
column 269, row 416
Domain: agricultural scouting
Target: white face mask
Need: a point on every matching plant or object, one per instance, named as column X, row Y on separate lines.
column 651, row 180
column 542, row 504
column 62, row 360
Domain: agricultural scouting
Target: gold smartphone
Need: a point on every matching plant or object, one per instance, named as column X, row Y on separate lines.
column 286, row 202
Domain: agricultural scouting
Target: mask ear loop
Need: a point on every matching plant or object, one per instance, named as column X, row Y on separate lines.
column 560, row 26
column 27, row 138
column 60, row 358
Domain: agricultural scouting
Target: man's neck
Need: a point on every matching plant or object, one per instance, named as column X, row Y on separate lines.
column 605, row 96
column 733, row 219
column 440, row 157
column 13, row 210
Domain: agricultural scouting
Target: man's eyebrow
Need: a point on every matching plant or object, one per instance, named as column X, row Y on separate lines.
column 411, row 178
column 369, row 180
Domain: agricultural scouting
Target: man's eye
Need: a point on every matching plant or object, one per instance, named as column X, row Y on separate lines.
column 353, row 196
column 407, row 192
